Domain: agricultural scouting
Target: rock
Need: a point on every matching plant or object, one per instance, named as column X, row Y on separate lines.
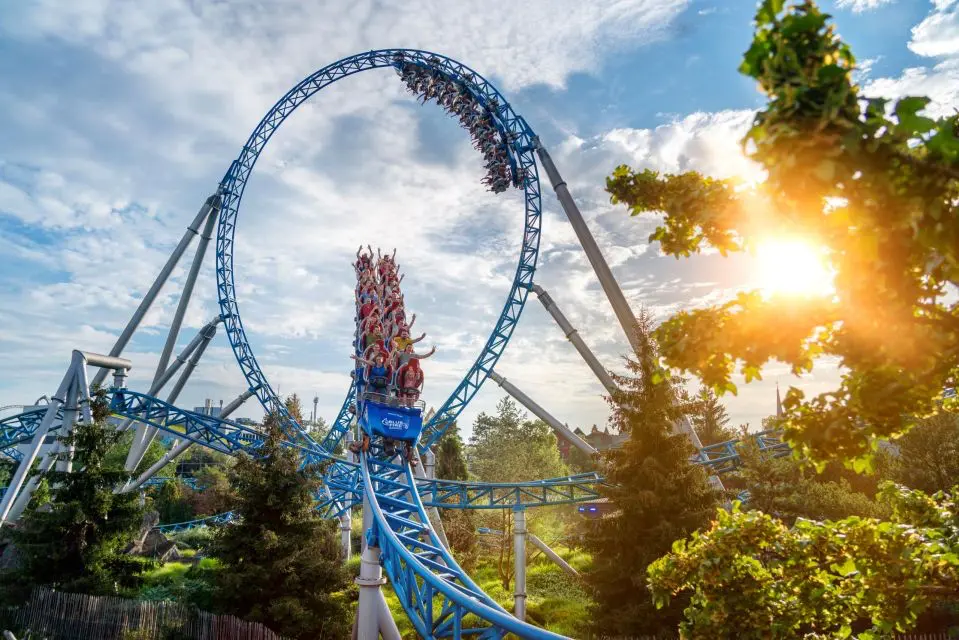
column 151, row 543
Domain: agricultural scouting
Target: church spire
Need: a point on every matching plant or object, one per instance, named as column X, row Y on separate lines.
column 779, row 402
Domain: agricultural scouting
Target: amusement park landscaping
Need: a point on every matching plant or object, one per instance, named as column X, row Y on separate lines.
column 836, row 517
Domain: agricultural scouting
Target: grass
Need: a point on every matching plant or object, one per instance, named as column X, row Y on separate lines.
column 166, row 574
column 555, row 601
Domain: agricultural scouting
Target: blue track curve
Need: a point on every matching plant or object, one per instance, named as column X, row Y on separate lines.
column 231, row 192
column 224, row 436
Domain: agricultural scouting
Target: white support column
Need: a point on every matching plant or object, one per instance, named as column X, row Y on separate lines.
column 370, row 580
column 74, row 377
column 346, row 532
column 603, row 273
column 145, row 304
column 519, row 563
column 372, row 615
column 145, row 434
column 431, row 512
column 187, row 293
column 70, row 412
column 384, row 617
column 429, row 464
column 20, row 504
column 552, row 555
column 542, row 414
column 20, row 475
column 573, row 336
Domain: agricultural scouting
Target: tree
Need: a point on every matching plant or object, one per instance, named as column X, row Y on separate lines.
column 878, row 193
column 459, row 524
column 874, row 184
column 751, row 576
column 657, row 496
column 710, row 419
column 294, row 407
column 171, row 503
column 213, row 492
column 579, row 461
column 77, row 542
column 281, row 563
column 507, row 447
column 120, row 446
column 788, row 489
column 928, row 456
column 450, row 458
column 319, row 428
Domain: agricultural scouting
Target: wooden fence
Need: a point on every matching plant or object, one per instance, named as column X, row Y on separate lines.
column 53, row 615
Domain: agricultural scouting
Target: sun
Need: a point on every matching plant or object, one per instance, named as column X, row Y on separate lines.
column 793, row 267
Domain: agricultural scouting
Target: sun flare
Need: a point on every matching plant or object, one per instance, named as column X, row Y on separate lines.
column 792, row 267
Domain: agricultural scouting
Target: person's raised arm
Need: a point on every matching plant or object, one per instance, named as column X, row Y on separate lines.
column 361, row 360
column 418, row 339
column 425, row 355
column 412, row 322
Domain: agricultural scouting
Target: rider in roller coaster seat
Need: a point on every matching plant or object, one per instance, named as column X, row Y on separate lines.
column 377, row 373
column 409, row 378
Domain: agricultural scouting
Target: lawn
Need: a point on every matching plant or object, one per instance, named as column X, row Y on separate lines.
column 555, row 600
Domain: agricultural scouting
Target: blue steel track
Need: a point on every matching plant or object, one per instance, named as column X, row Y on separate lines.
column 231, row 192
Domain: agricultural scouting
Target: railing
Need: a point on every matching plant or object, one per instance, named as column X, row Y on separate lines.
column 391, row 401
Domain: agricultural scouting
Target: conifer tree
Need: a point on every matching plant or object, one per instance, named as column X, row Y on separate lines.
column 282, row 564
column 657, row 497
column 450, row 459
column 710, row 418
column 76, row 542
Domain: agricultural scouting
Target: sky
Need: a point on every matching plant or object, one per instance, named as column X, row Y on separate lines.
column 118, row 119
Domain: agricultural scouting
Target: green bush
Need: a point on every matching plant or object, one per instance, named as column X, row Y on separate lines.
column 198, row 538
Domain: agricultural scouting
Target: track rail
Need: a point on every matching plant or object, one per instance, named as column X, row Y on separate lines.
column 230, row 437
column 438, row 596
column 233, row 184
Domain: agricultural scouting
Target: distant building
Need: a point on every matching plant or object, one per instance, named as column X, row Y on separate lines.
column 208, row 409
column 599, row 440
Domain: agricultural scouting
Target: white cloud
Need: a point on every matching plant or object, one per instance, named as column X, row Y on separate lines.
column 858, row 6
column 938, row 34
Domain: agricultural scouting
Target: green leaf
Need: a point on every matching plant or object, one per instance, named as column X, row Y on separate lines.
column 864, row 463
column 831, row 72
column 847, row 568
column 768, row 10
column 910, row 106
column 909, row 121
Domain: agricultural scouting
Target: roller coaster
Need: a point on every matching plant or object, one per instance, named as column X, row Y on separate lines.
column 388, row 465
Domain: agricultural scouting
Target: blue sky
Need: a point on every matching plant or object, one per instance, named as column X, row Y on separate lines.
column 117, row 119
